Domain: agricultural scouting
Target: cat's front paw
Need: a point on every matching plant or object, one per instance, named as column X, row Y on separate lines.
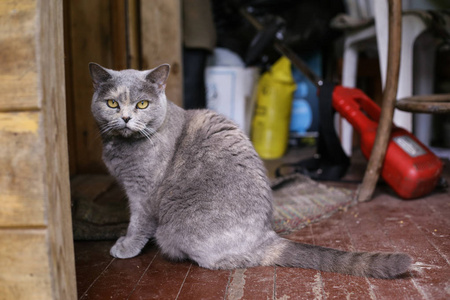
column 125, row 248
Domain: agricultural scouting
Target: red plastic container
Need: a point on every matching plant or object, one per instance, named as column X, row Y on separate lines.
column 409, row 168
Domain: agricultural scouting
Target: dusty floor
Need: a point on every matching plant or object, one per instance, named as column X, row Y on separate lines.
column 420, row 228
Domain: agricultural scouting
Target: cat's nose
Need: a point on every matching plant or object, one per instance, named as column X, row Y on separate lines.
column 126, row 119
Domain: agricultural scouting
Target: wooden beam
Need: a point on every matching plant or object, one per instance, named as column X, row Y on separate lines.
column 59, row 240
column 36, row 246
column 18, row 66
column 161, row 39
column 25, row 266
column 22, row 170
column 70, row 105
column 90, row 41
column 119, row 34
column 134, row 44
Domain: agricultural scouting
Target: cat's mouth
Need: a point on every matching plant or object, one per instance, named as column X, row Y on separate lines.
column 123, row 130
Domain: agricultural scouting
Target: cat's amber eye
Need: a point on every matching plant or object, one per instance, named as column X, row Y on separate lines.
column 142, row 104
column 112, row 103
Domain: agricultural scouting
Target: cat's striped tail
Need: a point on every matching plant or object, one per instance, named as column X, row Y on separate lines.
column 378, row 265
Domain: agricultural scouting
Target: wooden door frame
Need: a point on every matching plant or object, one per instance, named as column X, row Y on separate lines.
column 36, row 244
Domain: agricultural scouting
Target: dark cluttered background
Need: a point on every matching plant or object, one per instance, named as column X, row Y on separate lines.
column 212, row 48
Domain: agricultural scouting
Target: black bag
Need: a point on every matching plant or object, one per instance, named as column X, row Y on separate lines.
column 330, row 162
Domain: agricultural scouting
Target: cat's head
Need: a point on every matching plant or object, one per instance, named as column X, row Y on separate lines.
column 129, row 103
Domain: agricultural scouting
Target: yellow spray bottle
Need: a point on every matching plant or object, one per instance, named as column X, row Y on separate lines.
column 270, row 126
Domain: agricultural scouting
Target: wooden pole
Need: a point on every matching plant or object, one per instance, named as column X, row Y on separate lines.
column 387, row 108
column 161, row 42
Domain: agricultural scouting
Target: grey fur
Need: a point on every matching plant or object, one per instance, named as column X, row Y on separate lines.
column 195, row 183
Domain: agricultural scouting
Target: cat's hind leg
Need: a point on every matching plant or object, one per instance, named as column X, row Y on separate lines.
column 222, row 250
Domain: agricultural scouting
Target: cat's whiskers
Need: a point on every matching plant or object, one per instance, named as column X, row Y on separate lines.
column 106, row 127
column 142, row 130
column 151, row 135
column 146, row 135
column 152, row 132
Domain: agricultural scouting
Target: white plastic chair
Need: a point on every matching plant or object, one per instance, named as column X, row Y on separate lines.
column 413, row 26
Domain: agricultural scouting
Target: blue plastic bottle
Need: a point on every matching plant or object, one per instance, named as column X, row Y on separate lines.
column 305, row 114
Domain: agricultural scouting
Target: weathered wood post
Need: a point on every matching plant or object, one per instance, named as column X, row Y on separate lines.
column 36, row 246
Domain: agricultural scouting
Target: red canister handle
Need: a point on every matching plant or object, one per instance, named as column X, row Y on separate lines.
column 352, row 103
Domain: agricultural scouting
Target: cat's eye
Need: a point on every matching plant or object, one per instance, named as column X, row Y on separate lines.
column 112, row 103
column 142, row 104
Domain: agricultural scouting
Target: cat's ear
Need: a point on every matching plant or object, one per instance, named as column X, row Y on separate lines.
column 98, row 74
column 159, row 75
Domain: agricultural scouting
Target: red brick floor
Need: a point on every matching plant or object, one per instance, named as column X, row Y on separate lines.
column 420, row 228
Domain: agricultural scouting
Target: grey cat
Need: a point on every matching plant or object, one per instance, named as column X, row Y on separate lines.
column 196, row 185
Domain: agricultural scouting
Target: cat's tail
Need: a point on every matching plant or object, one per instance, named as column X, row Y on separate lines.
column 288, row 253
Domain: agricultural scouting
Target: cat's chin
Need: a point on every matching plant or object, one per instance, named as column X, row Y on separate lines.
column 127, row 132
column 124, row 133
